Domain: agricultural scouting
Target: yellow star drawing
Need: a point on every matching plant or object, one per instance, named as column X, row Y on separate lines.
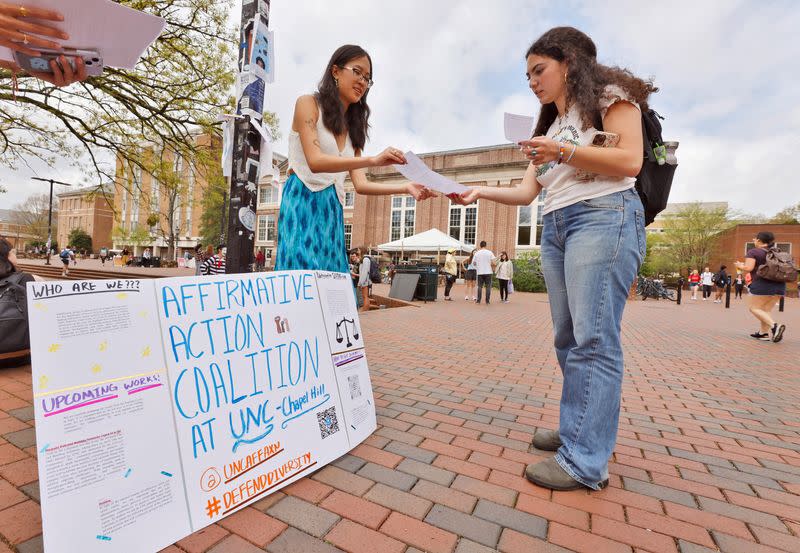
column 54, row 348
column 143, row 314
column 43, row 382
column 146, row 352
column 96, row 368
column 40, row 306
column 104, row 345
column 122, row 295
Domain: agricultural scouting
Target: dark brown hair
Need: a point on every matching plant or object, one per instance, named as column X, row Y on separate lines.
column 767, row 237
column 356, row 119
column 586, row 79
column 6, row 267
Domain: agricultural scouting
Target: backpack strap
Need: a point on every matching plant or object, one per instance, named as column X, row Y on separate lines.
column 14, row 278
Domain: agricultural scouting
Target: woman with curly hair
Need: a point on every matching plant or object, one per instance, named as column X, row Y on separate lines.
column 329, row 132
column 593, row 240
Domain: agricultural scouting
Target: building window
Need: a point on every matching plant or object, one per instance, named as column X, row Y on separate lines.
column 266, row 228
column 785, row 247
column 402, row 221
column 348, row 236
column 267, row 194
column 463, row 224
column 524, row 225
column 349, row 199
column 262, row 228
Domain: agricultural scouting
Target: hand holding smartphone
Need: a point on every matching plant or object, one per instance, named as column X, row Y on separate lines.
column 41, row 64
column 600, row 140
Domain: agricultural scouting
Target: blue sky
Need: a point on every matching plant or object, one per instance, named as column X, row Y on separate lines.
column 446, row 71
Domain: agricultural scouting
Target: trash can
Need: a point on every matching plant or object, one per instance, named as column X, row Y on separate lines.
column 427, row 287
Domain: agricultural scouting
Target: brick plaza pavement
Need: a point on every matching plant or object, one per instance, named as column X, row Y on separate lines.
column 708, row 456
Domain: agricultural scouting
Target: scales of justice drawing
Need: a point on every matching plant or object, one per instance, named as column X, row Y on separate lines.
column 348, row 325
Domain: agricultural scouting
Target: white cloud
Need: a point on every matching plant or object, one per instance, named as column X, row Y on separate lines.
column 446, row 71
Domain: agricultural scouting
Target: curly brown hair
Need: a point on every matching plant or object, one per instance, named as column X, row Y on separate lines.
column 587, row 79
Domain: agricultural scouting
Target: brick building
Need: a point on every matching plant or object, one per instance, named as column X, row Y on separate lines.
column 139, row 194
column 16, row 233
column 88, row 209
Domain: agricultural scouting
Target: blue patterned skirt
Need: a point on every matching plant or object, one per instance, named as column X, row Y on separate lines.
column 310, row 229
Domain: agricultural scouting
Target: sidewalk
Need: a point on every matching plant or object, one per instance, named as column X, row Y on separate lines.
column 708, row 455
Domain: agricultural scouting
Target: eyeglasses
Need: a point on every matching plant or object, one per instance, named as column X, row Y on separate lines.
column 361, row 75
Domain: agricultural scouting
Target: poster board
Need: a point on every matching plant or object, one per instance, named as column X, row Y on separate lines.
column 165, row 405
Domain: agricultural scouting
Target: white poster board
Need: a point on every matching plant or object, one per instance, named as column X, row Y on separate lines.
column 165, row 405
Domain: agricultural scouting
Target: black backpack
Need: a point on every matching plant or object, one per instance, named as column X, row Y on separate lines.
column 13, row 314
column 720, row 279
column 374, row 270
column 654, row 181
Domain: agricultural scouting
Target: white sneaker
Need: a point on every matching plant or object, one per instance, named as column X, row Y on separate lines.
column 466, row 298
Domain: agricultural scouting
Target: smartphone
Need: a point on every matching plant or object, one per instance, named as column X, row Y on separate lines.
column 605, row 139
column 92, row 60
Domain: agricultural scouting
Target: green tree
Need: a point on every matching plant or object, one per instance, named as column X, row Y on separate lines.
column 657, row 260
column 690, row 237
column 181, row 84
column 787, row 216
column 32, row 216
column 214, row 220
column 80, row 240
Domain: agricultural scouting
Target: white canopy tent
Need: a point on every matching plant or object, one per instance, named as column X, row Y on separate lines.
column 432, row 240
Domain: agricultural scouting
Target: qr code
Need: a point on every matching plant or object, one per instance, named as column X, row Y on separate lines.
column 355, row 386
column 328, row 423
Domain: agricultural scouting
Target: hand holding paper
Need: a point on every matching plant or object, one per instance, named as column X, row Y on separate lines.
column 517, row 127
column 416, row 171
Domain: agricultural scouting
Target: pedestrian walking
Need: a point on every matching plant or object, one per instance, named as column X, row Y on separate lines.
column 450, row 273
column 103, row 255
column 505, row 273
column 260, row 260
column 738, row 283
column 720, row 282
column 694, row 282
column 592, row 243
column 764, row 294
column 66, row 255
column 485, row 262
column 707, row 281
column 470, row 276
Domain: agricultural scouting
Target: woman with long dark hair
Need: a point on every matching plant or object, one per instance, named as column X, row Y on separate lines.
column 593, row 239
column 764, row 294
column 329, row 132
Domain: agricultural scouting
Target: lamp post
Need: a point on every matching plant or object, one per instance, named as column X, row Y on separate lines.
column 50, row 214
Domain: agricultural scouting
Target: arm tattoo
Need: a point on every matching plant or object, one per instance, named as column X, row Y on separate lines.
column 317, row 144
column 311, row 124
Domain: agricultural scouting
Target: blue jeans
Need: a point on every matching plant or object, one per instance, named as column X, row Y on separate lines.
column 591, row 252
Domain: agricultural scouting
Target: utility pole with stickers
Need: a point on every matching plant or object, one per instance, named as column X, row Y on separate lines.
column 247, row 152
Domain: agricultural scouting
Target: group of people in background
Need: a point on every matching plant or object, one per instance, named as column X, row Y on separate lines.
column 479, row 268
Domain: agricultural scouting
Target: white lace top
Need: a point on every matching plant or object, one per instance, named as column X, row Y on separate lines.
column 327, row 142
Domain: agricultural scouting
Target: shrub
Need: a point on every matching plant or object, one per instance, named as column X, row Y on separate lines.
column 528, row 275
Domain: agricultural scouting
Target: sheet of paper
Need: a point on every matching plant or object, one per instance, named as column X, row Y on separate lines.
column 517, row 127
column 415, row 170
column 120, row 34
